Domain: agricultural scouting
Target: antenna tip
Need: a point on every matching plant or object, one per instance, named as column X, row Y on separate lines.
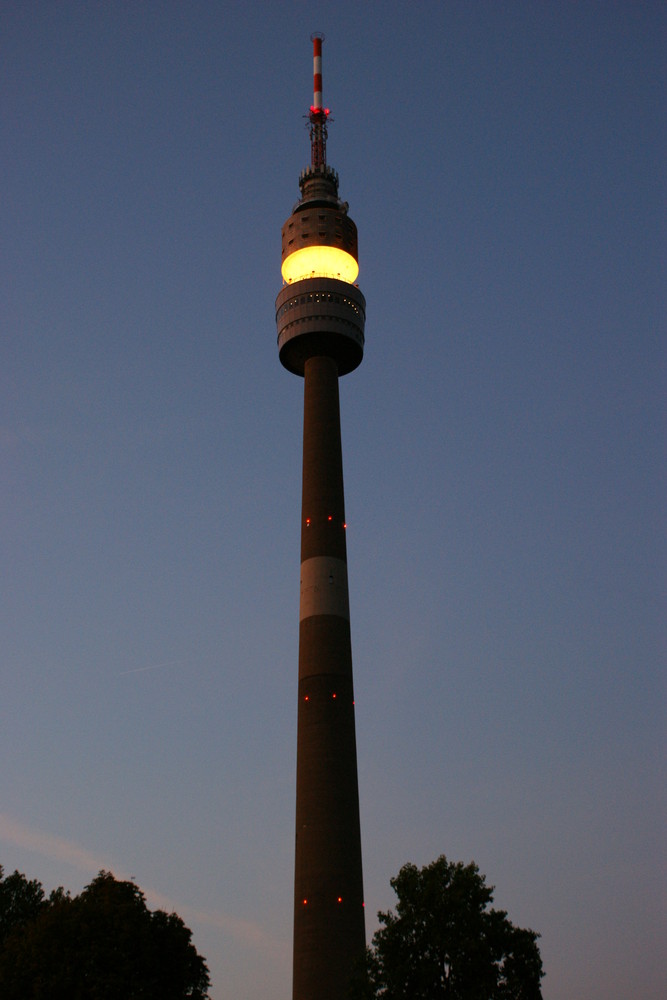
column 317, row 34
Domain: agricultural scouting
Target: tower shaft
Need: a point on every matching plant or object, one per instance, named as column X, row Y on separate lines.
column 320, row 319
column 329, row 933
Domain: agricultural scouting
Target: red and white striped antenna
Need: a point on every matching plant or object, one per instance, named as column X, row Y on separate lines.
column 317, row 38
column 318, row 113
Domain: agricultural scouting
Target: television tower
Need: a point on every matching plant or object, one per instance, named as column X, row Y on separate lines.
column 320, row 315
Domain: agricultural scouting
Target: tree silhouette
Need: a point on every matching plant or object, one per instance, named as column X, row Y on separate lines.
column 444, row 941
column 20, row 902
column 104, row 944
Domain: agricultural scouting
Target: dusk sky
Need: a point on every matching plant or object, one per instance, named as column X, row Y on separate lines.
column 503, row 450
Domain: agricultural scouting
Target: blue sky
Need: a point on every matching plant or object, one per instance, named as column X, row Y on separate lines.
column 503, row 449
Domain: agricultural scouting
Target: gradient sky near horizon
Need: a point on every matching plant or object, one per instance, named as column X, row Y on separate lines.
column 503, row 450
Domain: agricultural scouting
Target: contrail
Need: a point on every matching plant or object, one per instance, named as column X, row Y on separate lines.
column 49, row 846
column 153, row 666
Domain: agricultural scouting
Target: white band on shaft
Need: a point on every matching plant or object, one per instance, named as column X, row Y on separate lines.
column 324, row 588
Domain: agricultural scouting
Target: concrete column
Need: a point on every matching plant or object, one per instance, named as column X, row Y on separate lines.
column 329, row 931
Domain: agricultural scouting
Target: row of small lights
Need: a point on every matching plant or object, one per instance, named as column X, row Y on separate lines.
column 306, row 697
column 329, row 518
column 339, row 900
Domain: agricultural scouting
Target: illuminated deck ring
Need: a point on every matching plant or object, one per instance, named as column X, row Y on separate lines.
column 320, row 317
column 320, row 262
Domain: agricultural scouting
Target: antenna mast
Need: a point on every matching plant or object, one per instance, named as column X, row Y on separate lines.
column 318, row 114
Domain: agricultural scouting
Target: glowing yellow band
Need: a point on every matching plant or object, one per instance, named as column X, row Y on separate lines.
column 320, row 262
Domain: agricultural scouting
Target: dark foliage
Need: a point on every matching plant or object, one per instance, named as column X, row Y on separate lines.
column 104, row 944
column 20, row 902
column 444, row 940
